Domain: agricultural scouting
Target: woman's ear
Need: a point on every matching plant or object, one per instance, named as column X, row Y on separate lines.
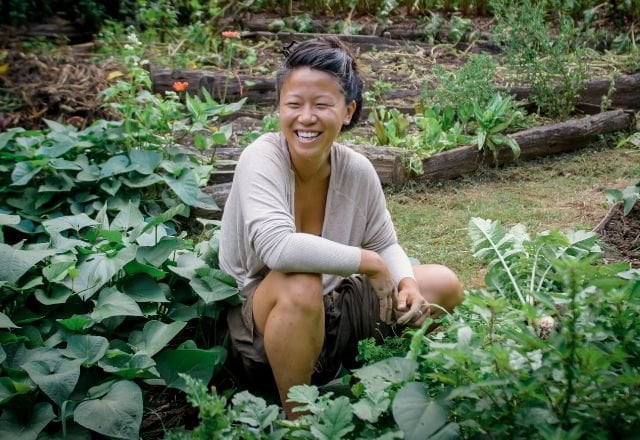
column 351, row 108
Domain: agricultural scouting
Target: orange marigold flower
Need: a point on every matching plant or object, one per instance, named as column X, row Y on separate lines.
column 180, row 86
column 231, row 34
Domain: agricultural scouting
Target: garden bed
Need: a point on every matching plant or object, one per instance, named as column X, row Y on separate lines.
column 621, row 234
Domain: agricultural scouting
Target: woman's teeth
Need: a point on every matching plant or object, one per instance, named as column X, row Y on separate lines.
column 307, row 135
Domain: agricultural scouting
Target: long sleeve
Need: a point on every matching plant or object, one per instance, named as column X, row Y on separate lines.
column 264, row 193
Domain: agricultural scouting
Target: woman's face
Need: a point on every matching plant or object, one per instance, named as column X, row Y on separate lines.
column 312, row 112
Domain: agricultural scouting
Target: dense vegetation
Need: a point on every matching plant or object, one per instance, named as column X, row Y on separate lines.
column 109, row 283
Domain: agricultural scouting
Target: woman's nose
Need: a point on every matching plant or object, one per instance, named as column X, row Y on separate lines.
column 307, row 115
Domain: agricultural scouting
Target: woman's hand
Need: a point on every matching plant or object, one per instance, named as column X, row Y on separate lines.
column 372, row 265
column 411, row 307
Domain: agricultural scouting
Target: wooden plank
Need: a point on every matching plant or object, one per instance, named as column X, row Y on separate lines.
column 386, row 41
column 220, row 85
column 364, row 42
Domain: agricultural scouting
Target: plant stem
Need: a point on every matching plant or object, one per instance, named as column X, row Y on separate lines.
column 571, row 359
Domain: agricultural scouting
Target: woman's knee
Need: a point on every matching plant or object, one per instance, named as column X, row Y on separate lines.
column 301, row 292
column 442, row 283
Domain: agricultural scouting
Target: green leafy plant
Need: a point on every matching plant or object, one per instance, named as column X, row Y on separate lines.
column 101, row 288
column 627, row 197
column 544, row 350
column 303, row 23
column 491, row 121
column 270, row 123
column 390, row 125
column 384, row 404
column 460, row 89
column 551, row 64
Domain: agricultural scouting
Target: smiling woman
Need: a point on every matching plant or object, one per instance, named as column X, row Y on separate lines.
column 307, row 235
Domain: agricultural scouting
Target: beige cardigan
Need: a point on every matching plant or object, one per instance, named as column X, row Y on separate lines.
column 258, row 226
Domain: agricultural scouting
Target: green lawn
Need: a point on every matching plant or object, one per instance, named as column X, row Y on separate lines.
column 564, row 192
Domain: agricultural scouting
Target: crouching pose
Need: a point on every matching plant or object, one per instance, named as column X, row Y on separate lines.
column 307, row 235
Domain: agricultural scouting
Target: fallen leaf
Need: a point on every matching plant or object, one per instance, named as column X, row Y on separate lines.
column 113, row 75
column 4, row 69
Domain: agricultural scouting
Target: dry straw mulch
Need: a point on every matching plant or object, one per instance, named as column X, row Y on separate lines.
column 62, row 88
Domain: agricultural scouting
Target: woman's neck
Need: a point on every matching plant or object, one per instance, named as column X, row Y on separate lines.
column 311, row 169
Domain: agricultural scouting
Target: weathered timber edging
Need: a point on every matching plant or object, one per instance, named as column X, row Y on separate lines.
column 387, row 162
column 222, row 87
column 405, row 30
column 535, row 142
column 626, row 93
column 367, row 42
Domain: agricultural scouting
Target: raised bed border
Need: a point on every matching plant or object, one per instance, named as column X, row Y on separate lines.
column 535, row 142
column 626, row 93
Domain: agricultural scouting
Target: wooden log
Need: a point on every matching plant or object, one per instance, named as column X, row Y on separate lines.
column 407, row 29
column 364, row 42
column 57, row 29
column 535, row 142
column 388, row 163
column 566, row 136
column 368, row 42
column 626, row 93
column 222, row 87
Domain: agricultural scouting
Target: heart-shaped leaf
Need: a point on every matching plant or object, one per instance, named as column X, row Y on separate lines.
column 117, row 414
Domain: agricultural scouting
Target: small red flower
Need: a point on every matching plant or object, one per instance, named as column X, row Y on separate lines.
column 180, row 86
column 231, row 34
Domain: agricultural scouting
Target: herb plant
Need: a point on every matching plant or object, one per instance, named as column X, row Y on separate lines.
column 551, row 64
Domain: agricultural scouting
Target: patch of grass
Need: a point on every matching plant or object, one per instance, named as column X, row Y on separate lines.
column 563, row 192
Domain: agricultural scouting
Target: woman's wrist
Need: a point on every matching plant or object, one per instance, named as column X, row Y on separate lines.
column 407, row 283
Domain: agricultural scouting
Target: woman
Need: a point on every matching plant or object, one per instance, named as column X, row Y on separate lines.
column 307, row 235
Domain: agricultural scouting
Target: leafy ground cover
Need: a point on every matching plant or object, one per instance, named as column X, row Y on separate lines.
column 548, row 349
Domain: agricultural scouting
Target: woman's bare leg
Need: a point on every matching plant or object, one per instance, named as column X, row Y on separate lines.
column 288, row 311
column 438, row 285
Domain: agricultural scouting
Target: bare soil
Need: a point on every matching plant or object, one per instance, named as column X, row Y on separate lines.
column 622, row 235
column 166, row 409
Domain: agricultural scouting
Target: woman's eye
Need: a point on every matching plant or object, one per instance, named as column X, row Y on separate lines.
column 293, row 104
column 322, row 105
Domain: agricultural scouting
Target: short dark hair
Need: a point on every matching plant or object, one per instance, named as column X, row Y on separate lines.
column 330, row 55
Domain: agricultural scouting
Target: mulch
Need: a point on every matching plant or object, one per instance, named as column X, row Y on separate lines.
column 166, row 409
column 621, row 235
column 62, row 88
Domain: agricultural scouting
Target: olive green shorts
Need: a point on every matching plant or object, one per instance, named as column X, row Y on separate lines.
column 351, row 311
